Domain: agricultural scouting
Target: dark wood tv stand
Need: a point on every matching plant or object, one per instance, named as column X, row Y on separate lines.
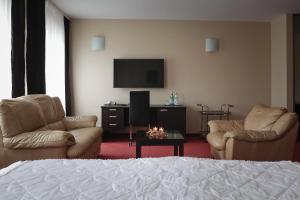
column 115, row 117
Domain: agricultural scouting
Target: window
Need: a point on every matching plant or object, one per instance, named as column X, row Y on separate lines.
column 5, row 49
column 55, row 52
column 54, row 55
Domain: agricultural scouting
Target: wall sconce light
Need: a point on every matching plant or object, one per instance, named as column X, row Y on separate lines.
column 97, row 43
column 211, row 45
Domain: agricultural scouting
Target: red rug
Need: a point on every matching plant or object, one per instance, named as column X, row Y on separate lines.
column 194, row 147
column 119, row 149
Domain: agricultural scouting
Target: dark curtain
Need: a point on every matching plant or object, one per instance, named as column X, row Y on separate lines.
column 67, row 67
column 17, row 47
column 35, row 52
column 296, row 46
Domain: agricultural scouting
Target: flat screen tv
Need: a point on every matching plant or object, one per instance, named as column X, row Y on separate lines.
column 138, row 73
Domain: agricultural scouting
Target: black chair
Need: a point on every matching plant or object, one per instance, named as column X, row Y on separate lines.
column 139, row 110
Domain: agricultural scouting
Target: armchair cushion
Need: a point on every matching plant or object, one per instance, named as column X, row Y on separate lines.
column 80, row 122
column 51, row 109
column 38, row 139
column 225, row 125
column 251, row 136
column 285, row 123
column 84, row 138
column 59, row 107
column 262, row 118
column 17, row 116
column 56, row 126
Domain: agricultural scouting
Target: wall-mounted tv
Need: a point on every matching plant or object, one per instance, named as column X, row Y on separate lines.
column 138, row 73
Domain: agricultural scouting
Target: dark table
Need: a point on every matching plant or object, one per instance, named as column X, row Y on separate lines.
column 174, row 138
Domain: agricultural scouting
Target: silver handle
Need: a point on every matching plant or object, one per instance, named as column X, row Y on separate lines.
column 112, row 109
column 112, row 124
column 163, row 110
column 112, row 116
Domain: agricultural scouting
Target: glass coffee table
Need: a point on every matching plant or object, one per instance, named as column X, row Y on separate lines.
column 174, row 138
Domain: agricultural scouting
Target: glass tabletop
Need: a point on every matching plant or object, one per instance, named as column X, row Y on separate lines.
column 174, row 135
column 171, row 135
column 214, row 112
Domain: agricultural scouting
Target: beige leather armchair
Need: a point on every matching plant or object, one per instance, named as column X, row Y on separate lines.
column 35, row 127
column 266, row 134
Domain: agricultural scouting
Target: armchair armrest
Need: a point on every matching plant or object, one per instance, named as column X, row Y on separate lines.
column 39, row 139
column 225, row 125
column 80, row 122
column 252, row 136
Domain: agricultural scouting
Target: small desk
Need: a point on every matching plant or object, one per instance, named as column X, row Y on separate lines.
column 175, row 139
column 115, row 118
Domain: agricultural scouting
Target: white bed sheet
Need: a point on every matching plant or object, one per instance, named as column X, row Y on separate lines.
column 150, row 178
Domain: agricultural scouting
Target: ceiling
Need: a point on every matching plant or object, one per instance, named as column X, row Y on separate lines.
column 236, row 10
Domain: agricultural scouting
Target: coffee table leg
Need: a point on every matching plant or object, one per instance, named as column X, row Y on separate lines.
column 175, row 150
column 181, row 150
column 138, row 151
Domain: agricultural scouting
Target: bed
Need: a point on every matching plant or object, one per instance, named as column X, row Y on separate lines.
column 150, row 178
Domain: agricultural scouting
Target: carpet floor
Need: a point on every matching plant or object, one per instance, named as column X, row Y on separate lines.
column 193, row 147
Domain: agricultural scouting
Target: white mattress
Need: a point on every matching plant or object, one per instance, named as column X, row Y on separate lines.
column 150, row 178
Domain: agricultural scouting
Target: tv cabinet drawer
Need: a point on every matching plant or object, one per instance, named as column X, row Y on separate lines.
column 112, row 118
column 112, row 126
column 117, row 120
column 113, row 111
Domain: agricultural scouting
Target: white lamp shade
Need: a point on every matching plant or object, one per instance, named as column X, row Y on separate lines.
column 98, row 43
column 211, row 45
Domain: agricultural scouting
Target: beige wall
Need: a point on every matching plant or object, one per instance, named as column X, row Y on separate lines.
column 281, row 62
column 238, row 74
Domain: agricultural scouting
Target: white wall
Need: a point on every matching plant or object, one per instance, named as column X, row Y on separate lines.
column 238, row 74
column 281, row 62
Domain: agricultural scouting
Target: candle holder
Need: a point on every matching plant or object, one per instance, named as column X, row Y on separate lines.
column 156, row 133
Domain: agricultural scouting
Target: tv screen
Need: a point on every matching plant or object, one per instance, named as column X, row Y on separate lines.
column 138, row 73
